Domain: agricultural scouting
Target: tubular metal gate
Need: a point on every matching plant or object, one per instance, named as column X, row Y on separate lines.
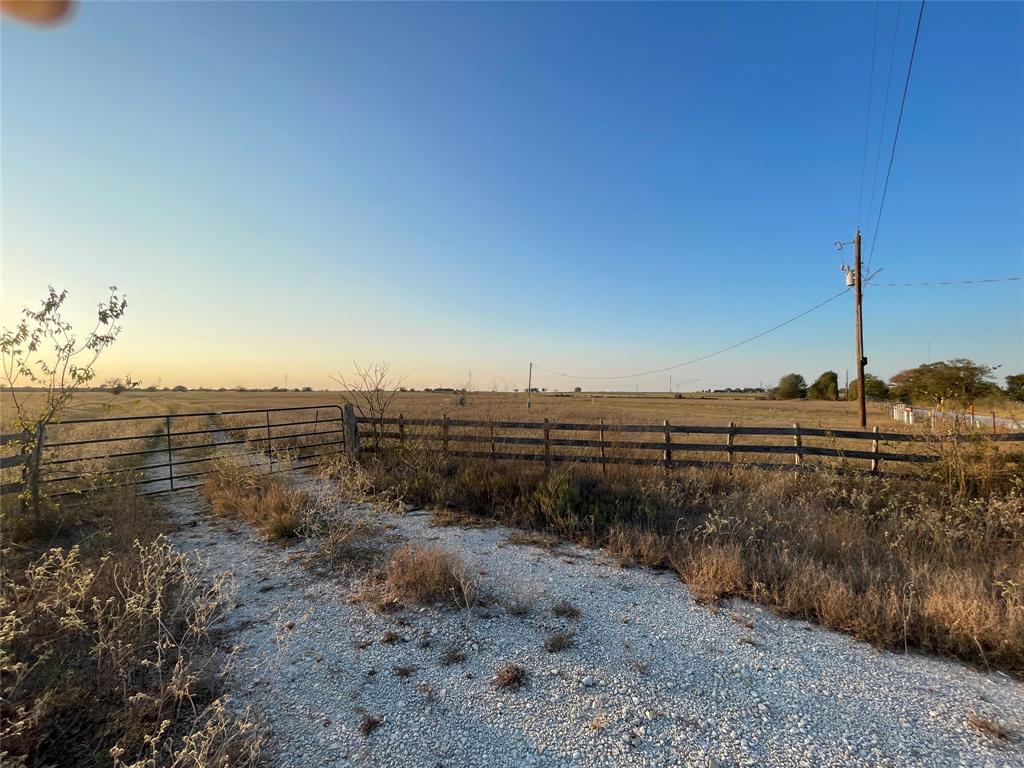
column 170, row 452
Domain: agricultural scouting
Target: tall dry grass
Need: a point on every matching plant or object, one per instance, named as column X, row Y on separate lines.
column 267, row 502
column 106, row 654
column 931, row 563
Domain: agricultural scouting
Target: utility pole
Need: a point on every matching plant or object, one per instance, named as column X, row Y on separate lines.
column 529, row 388
column 853, row 278
column 670, row 383
column 862, row 408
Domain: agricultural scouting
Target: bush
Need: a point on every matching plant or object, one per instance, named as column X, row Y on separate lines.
column 415, row 574
column 106, row 651
column 264, row 501
column 791, row 387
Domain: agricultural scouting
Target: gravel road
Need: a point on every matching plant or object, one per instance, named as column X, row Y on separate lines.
column 651, row 678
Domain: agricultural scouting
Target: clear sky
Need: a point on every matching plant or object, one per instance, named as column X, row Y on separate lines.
column 283, row 188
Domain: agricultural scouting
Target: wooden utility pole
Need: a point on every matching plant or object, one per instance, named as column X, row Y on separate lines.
column 862, row 409
column 529, row 388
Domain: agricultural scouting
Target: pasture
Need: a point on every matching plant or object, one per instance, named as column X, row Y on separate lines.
column 691, row 409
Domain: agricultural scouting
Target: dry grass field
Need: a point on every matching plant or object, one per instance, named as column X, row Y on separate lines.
column 644, row 408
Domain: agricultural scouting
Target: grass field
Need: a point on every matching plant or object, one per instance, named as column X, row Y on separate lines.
column 643, row 408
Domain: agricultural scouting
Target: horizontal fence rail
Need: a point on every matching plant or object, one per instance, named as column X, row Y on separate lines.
column 169, row 452
column 632, row 444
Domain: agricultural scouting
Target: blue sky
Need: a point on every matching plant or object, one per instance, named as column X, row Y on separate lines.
column 283, row 188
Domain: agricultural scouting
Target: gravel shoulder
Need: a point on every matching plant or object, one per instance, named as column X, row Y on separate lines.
column 651, row 678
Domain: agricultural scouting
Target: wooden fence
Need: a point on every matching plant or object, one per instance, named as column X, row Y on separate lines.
column 633, row 444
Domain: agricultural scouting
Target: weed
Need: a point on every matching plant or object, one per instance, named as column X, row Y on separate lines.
column 369, row 724
column 417, row 574
column 452, row 655
column 107, row 650
column 564, row 609
column 511, row 677
column 989, row 726
column 266, row 502
column 558, row 641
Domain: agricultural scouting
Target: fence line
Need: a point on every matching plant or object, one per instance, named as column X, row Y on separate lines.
column 169, row 452
column 468, row 434
column 913, row 415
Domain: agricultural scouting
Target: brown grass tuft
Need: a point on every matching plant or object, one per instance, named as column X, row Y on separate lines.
column 369, row 724
column 564, row 609
column 264, row 501
column 417, row 574
column 714, row 572
column 558, row 641
column 510, row 677
column 990, row 726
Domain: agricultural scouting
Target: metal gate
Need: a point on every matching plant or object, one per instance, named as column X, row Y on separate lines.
column 171, row 452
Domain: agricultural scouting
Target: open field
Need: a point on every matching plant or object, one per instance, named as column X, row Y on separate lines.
column 643, row 408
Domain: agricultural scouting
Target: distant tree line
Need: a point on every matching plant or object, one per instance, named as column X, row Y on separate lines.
column 958, row 381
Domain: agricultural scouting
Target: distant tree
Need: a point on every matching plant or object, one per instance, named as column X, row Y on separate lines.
column 959, row 381
column 577, row 389
column 791, row 387
column 825, row 387
column 119, row 385
column 307, row 389
column 180, row 388
column 874, row 388
column 1015, row 386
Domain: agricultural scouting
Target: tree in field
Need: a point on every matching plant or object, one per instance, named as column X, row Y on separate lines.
column 874, row 388
column 44, row 352
column 791, row 387
column 825, row 387
column 371, row 391
column 1015, row 386
column 959, row 381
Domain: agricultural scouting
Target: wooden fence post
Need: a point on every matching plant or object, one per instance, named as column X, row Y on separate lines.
column 34, row 467
column 668, row 446
column 493, row 456
column 444, row 433
column 547, row 443
column 729, row 440
column 351, row 427
column 604, row 466
column 401, row 428
column 874, row 450
column 270, row 444
column 797, row 443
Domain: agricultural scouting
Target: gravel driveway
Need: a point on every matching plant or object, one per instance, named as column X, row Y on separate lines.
column 651, row 678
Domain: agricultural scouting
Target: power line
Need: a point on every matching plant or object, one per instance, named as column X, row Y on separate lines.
column 702, row 357
column 885, row 110
column 948, row 282
column 867, row 120
column 896, row 136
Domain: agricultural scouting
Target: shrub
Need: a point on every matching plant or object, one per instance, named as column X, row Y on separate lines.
column 510, row 676
column 791, row 387
column 106, row 651
column 264, row 501
column 417, row 574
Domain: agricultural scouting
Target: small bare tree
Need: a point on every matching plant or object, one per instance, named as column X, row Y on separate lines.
column 44, row 362
column 371, row 391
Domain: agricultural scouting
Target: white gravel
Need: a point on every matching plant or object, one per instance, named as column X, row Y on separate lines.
column 652, row 678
